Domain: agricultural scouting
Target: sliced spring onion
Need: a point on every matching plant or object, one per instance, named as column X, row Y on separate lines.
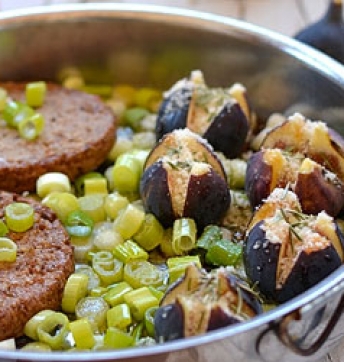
column 144, row 140
column 31, row 326
column 129, row 221
column 107, row 239
column 121, row 146
column 132, row 117
column 93, row 279
column 62, row 203
column 140, row 273
column 10, row 110
column 166, row 243
column 184, row 235
column 115, row 338
column 115, row 294
column 78, row 223
column 53, row 330
column 80, row 181
column 82, row 333
column 8, row 250
column 35, row 93
column 98, row 292
column 15, row 112
column 19, row 216
column 139, row 300
column 177, row 265
column 129, row 251
column 137, row 331
column 93, row 206
column 94, row 309
column 74, row 290
column 31, row 128
column 211, row 234
column 109, row 271
column 149, row 321
column 96, row 186
column 82, row 246
column 52, row 181
column 150, row 234
column 119, row 316
column 102, row 256
column 126, row 173
column 158, row 294
column 114, row 203
column 224, row 253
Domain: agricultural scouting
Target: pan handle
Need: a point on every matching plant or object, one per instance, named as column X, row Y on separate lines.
column 282, row 329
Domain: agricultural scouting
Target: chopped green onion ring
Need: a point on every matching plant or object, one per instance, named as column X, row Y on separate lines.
column 8, row 250
column 78, row 223
column 30, row 128
column 19, row 216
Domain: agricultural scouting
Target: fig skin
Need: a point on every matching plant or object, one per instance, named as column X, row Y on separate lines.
column 197, row 303
column 228, row 131
column 155, row 193
column 169, row 323
column 260, row 260
column 261, row 257
column 317, row 191
column 173, row 112
column 207, row 200
column 258, row 179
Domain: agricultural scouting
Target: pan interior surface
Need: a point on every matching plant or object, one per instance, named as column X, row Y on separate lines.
column 155, row 46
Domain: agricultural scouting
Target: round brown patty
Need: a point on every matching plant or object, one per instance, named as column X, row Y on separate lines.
column 78, row 134
column 35, row 281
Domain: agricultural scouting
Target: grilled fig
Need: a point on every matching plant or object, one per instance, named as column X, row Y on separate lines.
column 286, row 252
column 313, row 139
column 201, row 301
column 183, row 178
column 222, row 116
column 316, row 187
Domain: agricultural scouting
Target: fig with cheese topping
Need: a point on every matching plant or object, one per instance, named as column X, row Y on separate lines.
column 314, row 139
column 183, row 178
column 316, row 187
column 286, row 251
column 222, row 116
column 201, row 302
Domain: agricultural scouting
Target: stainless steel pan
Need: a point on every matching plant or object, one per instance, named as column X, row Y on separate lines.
column 147, row 45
